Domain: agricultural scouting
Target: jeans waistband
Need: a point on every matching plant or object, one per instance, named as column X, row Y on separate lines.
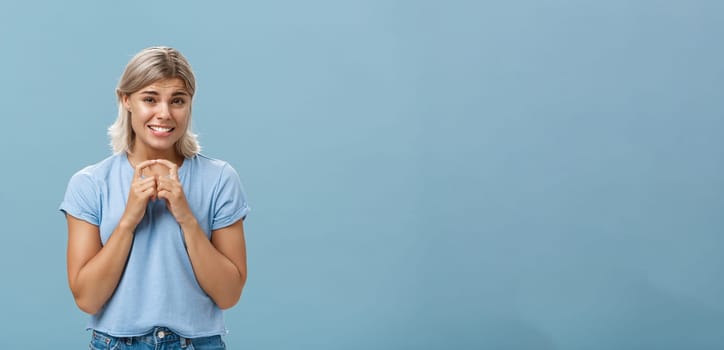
column 157, row 336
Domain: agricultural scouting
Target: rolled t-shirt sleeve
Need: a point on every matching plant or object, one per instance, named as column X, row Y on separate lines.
column 230, row 205
column 82, row 199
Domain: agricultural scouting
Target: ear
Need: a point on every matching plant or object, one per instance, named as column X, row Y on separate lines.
column 125, row 101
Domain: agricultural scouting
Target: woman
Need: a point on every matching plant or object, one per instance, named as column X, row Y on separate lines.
column 155, row 232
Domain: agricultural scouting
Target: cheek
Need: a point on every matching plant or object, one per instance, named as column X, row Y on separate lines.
column 182, row 119
column 137, row 123
column 140, row 114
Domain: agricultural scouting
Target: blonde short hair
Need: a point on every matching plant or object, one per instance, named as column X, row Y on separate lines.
column 148, row 66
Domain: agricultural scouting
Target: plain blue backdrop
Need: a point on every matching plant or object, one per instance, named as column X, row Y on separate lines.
column 423, row 174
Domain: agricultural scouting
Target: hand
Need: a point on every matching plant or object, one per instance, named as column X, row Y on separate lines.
column 170, row 189
column 142, row 190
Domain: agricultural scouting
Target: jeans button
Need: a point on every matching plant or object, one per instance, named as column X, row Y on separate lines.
column 161, row 334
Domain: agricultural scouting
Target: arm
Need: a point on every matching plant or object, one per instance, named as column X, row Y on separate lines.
column 219, row 264
column 94, row 269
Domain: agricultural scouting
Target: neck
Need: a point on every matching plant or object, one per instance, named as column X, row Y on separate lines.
column 137, row 155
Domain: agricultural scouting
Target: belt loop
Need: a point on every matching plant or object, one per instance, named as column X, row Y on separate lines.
column 183, row 342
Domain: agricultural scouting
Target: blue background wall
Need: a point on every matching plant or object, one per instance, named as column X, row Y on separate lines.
column 423, row 174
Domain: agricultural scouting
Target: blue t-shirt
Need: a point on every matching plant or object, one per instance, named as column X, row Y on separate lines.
column 158, row 287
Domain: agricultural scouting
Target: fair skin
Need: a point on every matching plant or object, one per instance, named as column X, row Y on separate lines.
column 159, row 116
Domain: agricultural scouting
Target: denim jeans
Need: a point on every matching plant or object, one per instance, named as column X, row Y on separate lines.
column 160, row 339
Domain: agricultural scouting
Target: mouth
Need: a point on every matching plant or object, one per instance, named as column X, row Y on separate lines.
column 161, row 129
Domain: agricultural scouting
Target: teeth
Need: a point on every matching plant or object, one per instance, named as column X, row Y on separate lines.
column 160, row 129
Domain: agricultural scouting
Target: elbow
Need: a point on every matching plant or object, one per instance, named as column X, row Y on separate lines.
column 230, row 300
column 86, row 305
column 227, row 305
column 87, row 308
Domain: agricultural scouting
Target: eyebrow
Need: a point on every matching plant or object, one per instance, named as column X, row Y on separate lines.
column 155, row 93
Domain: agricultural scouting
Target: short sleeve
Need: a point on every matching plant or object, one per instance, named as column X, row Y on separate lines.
column 82, row 199
column 230, row 204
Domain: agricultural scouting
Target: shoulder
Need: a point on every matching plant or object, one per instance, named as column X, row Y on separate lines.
column 212, row 166
column 209, row 161
column 99, row 171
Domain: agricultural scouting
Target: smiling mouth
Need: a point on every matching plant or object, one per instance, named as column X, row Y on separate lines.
column 160, row 128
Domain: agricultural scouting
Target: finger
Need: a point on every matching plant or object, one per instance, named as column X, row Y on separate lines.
column 149, row 181
column 172, row 168
column 165, row 194
column 148, row 190
column 146, row 194
column 146, row 185
column 140, row 166
column 146, row 181
column 168, row 187
column 167, row 183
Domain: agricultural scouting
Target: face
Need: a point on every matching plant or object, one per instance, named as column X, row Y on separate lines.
column 159, row 115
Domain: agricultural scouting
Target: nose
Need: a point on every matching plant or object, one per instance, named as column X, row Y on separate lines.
column 163, row 112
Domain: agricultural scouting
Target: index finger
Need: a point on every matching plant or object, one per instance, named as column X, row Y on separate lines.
column 141, row 166
column 172, row 168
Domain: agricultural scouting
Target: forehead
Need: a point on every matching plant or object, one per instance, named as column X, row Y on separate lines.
column 173, row 84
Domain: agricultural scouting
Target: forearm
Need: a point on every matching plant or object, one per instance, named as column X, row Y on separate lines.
column 217, row 275
column 96, row 281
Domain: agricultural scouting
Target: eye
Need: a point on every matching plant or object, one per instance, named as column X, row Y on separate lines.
column 149, row 99
column 178, row 101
